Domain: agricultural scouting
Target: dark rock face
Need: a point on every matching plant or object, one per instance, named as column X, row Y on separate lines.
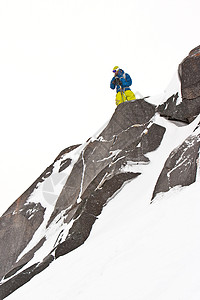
column 181, row 166
column 123, row 133
column 20, row 221
column 90, row 208
column 189, row 71
column 186, row 111
column 189, row 107
column 16, row 230
column 95, row 177
column 15, row 282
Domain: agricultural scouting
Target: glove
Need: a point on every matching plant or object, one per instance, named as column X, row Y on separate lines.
column 118, row 81
column 114, row 81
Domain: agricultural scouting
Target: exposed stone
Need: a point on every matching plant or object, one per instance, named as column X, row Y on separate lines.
column 181, row 166
column 189, row 107
column 125, row 127
column 16, row 230
column 152, row 139
column 66, row 150
column 20, row 279
column 186, row 111
column 26, row 258
column 95, row 178
column 19, row 203
column 65, row 164
column 90, row 209
column 19, row 223
column 189, row 72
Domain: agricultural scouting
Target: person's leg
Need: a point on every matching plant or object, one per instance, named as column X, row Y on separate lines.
column 130, row 95
column 119, row 98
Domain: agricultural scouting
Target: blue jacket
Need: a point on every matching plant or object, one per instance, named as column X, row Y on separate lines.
column 124, row 78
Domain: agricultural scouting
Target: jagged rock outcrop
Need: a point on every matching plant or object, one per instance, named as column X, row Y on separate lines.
column 19, row 223
column 188, row 107
column 97, row 174
column 114, row 147
column 181, row 166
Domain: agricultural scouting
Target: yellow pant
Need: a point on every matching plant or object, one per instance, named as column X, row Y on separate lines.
column 124, row 96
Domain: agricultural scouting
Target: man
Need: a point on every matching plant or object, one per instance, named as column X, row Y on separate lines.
column 122, row 81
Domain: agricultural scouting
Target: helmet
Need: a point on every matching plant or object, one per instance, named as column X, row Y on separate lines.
column 115, row 69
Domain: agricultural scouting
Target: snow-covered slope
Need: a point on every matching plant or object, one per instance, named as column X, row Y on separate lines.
column 116, row 217
column 135, row 250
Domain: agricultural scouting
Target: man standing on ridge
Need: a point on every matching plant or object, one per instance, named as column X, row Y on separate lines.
column 122, row 81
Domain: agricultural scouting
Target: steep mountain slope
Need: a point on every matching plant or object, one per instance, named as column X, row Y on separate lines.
column 138, row 155
column 135, row 251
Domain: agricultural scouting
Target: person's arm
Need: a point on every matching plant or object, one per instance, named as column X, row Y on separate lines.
column 112, row 83
column 126, row 82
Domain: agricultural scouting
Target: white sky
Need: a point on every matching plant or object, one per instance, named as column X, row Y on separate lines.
column 56, row 60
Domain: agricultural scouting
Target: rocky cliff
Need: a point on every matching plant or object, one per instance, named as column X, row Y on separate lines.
column 56, row 214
